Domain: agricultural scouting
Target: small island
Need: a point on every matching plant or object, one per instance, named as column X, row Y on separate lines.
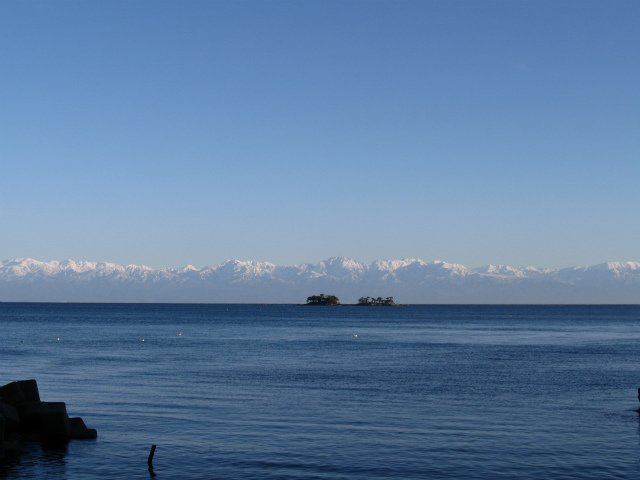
column 332, row 300
column 323, row 299
column 376, row 302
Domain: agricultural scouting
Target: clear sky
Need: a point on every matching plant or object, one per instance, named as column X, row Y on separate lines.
column 167, row 133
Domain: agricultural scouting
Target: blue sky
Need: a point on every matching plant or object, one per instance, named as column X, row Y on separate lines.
column 173, row 132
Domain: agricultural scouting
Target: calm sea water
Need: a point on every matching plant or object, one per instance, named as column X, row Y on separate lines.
column 294, row 392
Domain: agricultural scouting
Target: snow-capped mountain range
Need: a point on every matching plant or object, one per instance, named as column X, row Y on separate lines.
column 408, row 281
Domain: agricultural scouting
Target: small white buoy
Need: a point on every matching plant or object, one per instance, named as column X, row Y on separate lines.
column 58, row 338
column 356, row 336
column 143, row 339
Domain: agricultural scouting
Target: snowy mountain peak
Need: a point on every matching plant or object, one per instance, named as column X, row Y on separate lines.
column 408, row 280
column 187, row 268
column 623, row 266
column 503, row 270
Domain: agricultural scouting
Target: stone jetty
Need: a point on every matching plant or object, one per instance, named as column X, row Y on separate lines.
column 24, row 417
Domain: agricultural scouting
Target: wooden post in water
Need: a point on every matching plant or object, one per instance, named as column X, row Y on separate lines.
column 151, row 453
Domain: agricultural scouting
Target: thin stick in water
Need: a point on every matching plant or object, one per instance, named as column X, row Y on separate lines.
column 153, row 450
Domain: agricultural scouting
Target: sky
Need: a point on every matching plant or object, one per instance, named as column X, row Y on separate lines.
column 166, row 133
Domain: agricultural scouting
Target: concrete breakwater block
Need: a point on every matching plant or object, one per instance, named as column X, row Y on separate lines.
column 24, row 417
column 11, row 393
column 30, row 418
column 1, row 438
column 29, row 390
column 55, row 422
column 80, row 431
column 9, row 414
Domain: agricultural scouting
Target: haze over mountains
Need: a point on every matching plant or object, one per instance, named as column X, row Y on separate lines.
column 234, row 281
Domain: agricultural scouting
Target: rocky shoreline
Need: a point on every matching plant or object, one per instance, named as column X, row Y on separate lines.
column 26, row 418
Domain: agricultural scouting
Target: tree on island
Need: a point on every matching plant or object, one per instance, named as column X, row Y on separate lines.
column 376, row 301
column 323, row 299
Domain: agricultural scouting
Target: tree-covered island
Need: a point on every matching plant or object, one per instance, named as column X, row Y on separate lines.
column 323, row 299
column 370, row 301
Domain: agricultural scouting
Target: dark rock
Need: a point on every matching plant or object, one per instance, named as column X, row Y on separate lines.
column 11, row 393
column 30, row 437
column 11, row 418
column 11, row 447
column 30, row 391
column 1, row 437
column 24, row 417
column 55, row 422
column 77, row 423
column 80, row 431
column 30, row 417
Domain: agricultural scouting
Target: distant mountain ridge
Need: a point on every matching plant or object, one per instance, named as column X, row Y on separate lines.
column 234, row 281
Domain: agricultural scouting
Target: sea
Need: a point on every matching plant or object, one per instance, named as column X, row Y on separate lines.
column 327, row 393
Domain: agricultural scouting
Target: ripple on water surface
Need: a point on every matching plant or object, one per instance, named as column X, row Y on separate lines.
column 286, row 392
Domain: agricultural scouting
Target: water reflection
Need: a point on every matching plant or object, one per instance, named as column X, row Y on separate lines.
column 54, row 460
column 36, row 461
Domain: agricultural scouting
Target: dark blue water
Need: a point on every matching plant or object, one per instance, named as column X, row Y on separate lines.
column 295, row 392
